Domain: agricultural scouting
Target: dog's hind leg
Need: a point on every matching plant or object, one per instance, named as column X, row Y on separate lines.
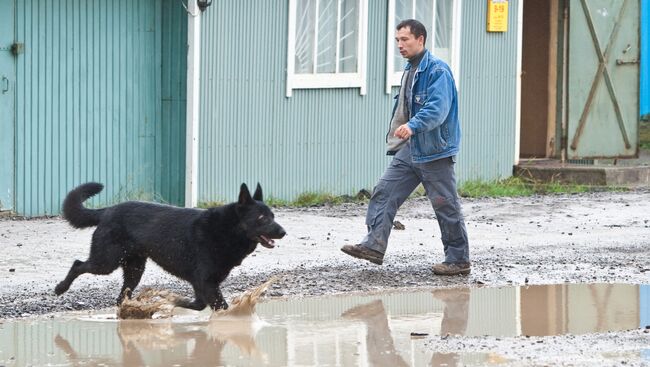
column 73, row 273
column 82, row 267
column 133, row 268
column 104, row 258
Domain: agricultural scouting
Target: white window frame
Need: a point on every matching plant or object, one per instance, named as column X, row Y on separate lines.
column 394, row 78
column 328, row 80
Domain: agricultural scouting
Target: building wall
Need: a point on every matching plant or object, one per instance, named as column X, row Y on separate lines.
column 332, row 140
column 94, row 101
column 488, row 77
column 317, row 140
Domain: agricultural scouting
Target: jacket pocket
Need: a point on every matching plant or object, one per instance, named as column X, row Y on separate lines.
column 420, row 98
column 429, row 143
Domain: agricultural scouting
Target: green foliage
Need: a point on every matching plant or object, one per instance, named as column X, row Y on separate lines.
column 517, row 186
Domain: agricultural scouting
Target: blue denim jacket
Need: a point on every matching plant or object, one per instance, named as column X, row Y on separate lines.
column 434, row 111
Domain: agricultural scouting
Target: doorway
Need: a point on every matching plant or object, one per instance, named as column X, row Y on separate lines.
column 539, row 79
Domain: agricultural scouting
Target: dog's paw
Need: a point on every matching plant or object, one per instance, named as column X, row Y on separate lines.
column 223, row 305
column 60, row 289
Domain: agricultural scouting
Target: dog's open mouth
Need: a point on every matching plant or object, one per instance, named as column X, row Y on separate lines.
column 265, row 241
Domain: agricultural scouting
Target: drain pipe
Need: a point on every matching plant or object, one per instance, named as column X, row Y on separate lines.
column 192, row 114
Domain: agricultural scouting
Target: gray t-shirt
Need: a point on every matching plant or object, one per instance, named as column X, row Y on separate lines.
column 402, row 113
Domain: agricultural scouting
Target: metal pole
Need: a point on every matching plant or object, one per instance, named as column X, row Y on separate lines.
column 192, row 116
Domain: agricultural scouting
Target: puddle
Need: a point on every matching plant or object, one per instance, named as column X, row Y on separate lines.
column 377, row 330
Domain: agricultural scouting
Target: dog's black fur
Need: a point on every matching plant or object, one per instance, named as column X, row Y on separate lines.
column 199, row 246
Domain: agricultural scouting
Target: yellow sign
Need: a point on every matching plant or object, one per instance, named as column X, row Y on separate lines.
column 497, row 16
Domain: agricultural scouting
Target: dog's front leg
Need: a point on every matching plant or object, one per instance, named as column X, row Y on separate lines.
column 197, row 304
column 217, row 301
column 207, row 293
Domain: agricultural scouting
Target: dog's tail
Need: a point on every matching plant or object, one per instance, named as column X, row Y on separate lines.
column 75, row 213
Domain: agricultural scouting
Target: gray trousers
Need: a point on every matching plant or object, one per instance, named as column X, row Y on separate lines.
column 398, row 182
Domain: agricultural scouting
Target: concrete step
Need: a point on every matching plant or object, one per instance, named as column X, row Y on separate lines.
column 547, row 170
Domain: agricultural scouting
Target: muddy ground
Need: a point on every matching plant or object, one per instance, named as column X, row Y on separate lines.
column 596, row 237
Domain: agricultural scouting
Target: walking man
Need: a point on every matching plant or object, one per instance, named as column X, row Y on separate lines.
column 424, row 138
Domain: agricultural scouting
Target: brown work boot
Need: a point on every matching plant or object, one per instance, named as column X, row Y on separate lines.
column 362, row 252
column 452, row 268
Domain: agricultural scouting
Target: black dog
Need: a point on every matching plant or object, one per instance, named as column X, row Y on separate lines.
column 199, row 246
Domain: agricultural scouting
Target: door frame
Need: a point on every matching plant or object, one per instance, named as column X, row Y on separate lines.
column 8, row 93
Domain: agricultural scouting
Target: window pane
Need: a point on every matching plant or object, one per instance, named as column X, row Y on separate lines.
column 424, row 13
column 403, row 11
column 305, row 27
column 326, row 57
column 349, row 22
column 442, row 47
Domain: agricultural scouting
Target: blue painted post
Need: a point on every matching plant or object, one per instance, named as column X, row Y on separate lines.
column 644, row 83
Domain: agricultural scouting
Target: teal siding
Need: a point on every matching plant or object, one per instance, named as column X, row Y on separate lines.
column 487, row 83
column 90, row 101
column 332, row 139
column 317, row 140
column 170, row 134
column 7, row 105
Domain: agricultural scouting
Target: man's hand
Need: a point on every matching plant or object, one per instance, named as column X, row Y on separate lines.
column 403, row 132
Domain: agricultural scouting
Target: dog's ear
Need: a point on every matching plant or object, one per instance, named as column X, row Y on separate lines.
column 258, row 193
column 244, row 195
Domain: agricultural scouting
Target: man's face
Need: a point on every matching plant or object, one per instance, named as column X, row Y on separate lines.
column 407, row 44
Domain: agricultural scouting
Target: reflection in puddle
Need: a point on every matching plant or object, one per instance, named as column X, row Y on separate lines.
column 352, row 330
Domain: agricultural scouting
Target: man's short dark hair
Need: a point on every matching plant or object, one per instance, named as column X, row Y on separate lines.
column 416, row 28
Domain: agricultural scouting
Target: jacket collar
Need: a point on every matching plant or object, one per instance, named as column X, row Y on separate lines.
column 424, row 63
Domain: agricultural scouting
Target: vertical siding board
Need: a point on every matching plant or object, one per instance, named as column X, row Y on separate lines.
column 173, row 52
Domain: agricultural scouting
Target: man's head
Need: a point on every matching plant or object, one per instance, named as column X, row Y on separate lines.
column 411, row 36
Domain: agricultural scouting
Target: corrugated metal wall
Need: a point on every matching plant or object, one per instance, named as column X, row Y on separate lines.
column 7, row 104
column 332, row 139
column 170, row 134
column 487, row 95
column 89, row 99
column 317, row 140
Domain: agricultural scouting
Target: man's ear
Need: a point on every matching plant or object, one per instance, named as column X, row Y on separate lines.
column 258, row 193
column 244, row 195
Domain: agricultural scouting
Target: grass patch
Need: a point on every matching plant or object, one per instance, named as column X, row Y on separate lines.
column 517, row 186
column 309, row 199
column 509, row 187
column 304, row 200
column 498, row 188
column 210, row 204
